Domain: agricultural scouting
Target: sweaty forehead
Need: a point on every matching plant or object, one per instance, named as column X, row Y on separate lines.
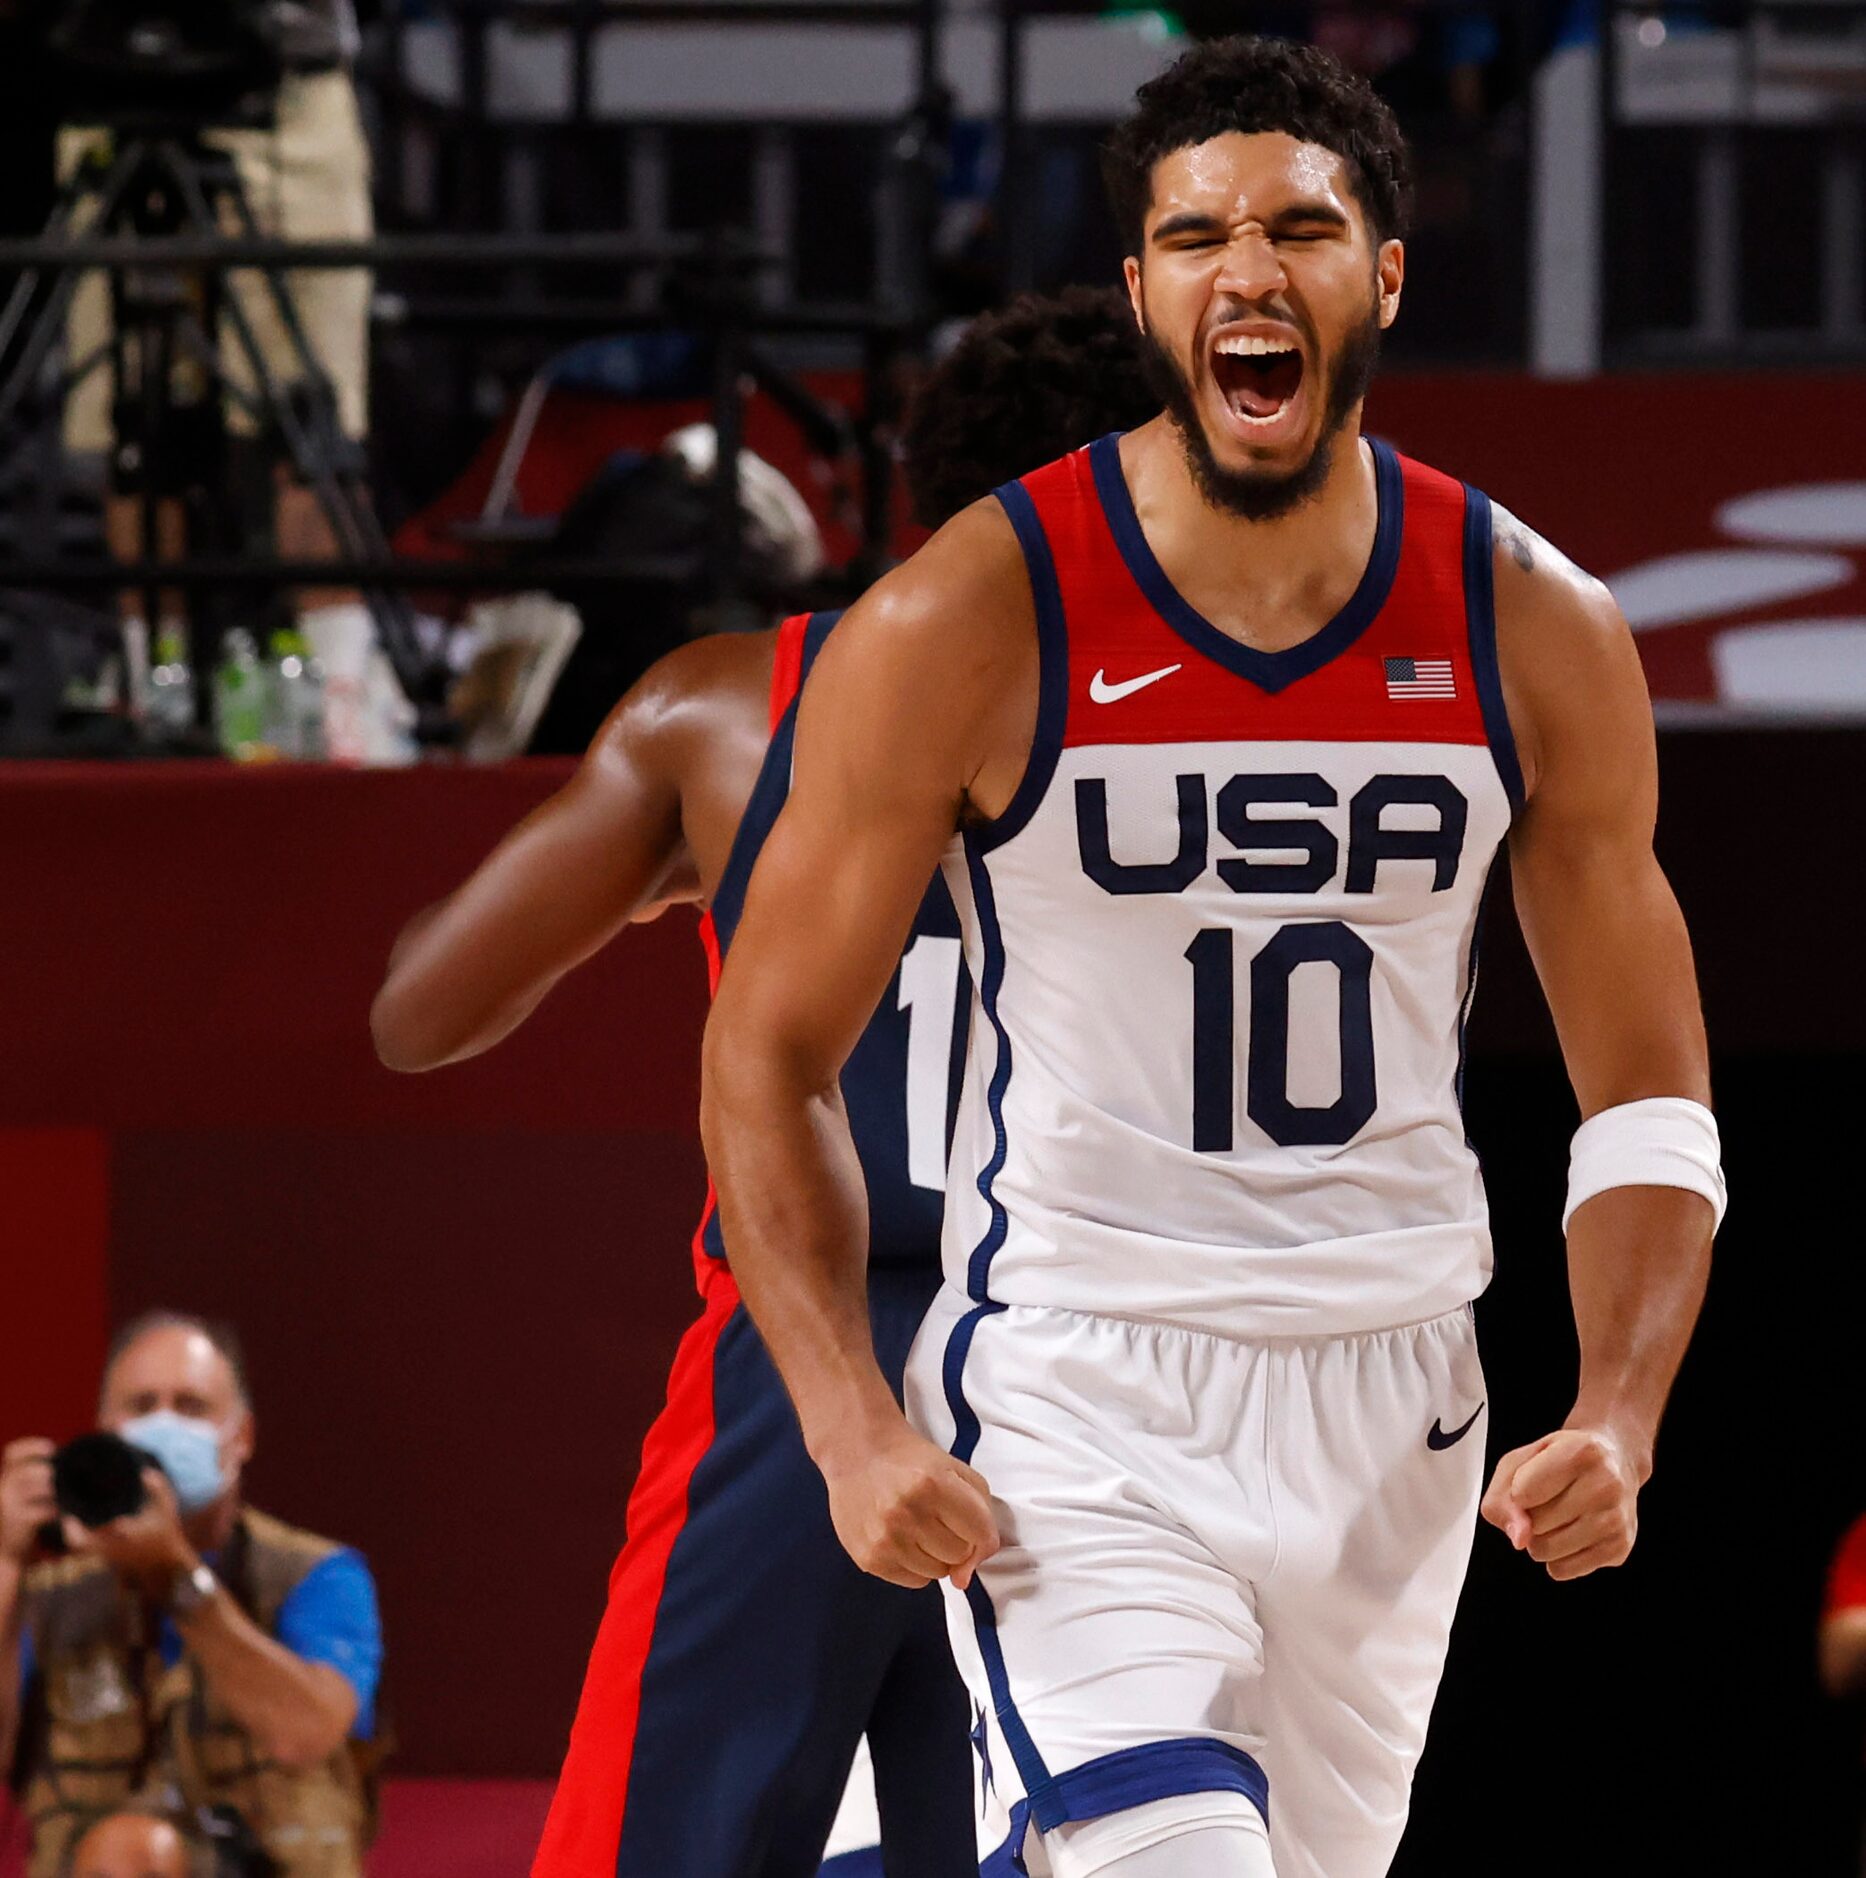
column 1243, row 174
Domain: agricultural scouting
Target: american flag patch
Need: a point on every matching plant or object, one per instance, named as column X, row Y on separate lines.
column 1420, row 678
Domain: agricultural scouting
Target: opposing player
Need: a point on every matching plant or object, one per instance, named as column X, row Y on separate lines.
column 1218, row 726
column 742, row 1655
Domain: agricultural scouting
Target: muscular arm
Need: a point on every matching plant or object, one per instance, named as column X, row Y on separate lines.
column 1610, row 948
column 900, row 730
column 610, row 847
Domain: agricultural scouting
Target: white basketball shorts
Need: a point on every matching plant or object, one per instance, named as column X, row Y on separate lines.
column 1226, row 1565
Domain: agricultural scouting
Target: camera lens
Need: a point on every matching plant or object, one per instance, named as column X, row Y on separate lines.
column 98, row 1478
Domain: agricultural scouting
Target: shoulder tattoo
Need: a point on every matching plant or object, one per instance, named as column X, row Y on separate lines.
column 1520, row 542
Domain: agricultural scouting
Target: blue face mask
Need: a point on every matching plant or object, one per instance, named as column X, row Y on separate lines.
column 189, row 1452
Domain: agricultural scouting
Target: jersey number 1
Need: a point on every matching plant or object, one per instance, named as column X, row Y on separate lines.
column 1214, row 1037
column 930, row 997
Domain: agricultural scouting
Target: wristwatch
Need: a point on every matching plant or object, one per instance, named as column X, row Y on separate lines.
column 191, row 1590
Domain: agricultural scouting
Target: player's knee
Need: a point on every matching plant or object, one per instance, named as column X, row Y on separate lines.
column 1190, row 1835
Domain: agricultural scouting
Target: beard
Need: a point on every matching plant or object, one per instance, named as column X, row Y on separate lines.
column 1263, row 495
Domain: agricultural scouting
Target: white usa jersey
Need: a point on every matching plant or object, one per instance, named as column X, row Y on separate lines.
column 1225, row 936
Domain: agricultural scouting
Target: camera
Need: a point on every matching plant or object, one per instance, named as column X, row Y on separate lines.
column 196, row 59
column 99, row 1477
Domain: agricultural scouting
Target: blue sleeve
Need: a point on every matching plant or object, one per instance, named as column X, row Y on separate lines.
column 28, row 1662
column 331, row 1617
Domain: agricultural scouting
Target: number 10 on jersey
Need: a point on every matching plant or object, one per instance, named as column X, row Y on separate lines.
column 1212, row 956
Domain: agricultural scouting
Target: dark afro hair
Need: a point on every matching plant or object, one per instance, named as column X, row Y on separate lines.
column 1025, row 385
column 1249, row 84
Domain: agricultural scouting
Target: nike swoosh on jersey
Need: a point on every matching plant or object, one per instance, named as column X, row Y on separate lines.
column 1104, row 693
column 1436, row 1437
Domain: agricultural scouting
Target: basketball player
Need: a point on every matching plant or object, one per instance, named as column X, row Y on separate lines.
column 742, row 1655
column 1218, row 725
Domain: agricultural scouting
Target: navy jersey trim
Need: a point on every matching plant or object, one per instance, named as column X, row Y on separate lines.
column 1470, row 994
column 1269, row 671
column 978, row 1267
column 768, row 796
column 1031, row 1769
column 1008, row 1860
column 814, row 633
column 1052, row 671
column 1480, row 613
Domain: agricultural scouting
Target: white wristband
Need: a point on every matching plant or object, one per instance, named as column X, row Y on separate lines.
column 1665, row 1141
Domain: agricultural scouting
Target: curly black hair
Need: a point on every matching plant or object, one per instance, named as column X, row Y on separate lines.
column 1027, row 384
column 1250, row 84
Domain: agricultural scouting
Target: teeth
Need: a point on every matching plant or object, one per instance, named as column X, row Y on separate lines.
column 1251, row 347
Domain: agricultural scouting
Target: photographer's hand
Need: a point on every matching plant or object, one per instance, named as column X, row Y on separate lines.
column 148, row 1549
column 26, row 1501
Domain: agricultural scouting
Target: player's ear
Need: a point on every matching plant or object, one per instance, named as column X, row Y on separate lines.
column 1390, row 273
column 1130, row 271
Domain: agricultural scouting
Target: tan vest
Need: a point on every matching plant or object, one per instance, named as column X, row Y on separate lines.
column 118, row 1726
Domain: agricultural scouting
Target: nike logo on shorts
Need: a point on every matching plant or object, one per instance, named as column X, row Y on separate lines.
column 1104, row 693
column 1436, row 1437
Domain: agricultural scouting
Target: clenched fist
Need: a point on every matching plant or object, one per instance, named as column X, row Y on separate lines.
column 26, row 1501
column 1570, row 1500
column 906, row 1510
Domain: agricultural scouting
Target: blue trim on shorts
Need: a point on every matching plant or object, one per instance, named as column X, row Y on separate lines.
column 1007, row 1861
column 1480, row 615
column 965, row 1430
column 1156, row 1770
column 1038, row 1785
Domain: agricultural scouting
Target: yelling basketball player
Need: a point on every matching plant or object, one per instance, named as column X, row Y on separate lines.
column 1217, row 726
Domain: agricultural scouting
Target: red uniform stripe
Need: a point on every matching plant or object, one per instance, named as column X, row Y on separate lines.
column 584, row 1831
column 787, row 667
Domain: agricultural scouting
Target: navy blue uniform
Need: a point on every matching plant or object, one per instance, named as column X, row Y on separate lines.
column 742, row 1654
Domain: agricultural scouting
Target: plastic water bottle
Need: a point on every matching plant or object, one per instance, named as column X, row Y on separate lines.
column 170, row 713
column 240, row 699
column 295, row 700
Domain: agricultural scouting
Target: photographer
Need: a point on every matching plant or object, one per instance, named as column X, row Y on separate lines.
column 306, row 176
column 192, row 1654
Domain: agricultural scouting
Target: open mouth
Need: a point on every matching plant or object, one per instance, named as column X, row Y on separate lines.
column 1257, row 378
